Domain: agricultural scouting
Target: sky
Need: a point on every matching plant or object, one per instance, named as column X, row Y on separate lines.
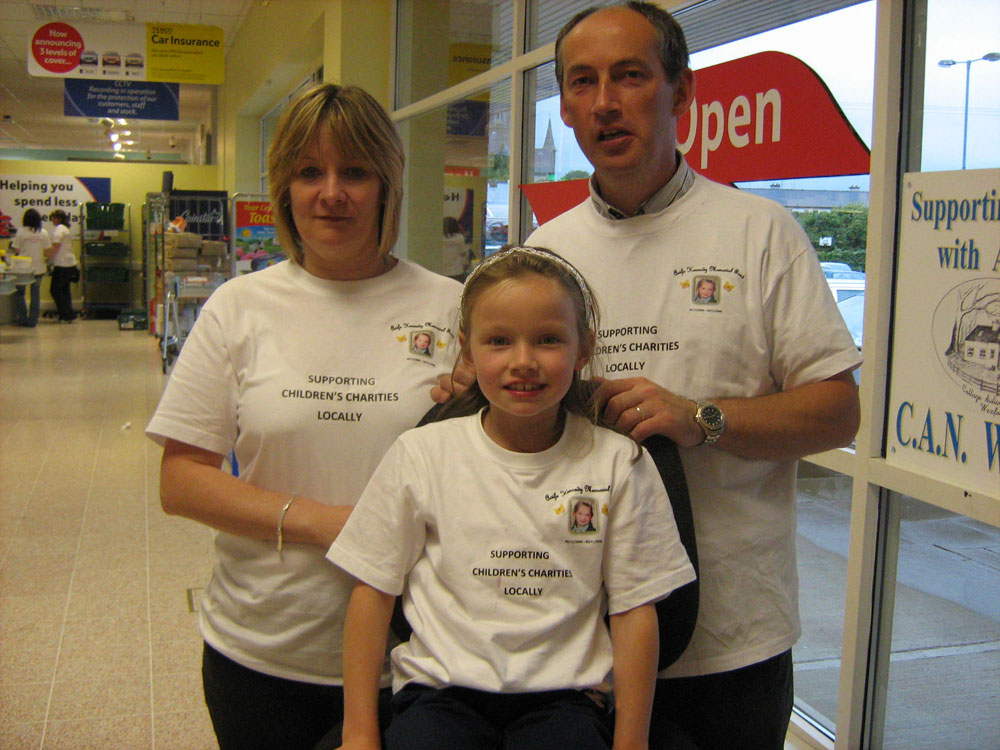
column 840, row 47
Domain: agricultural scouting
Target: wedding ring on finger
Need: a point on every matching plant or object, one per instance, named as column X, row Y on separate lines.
column 642, row 416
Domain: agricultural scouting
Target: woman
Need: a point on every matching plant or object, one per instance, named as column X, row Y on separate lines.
column 304, row 370
column 33, row 241
column 64, row 271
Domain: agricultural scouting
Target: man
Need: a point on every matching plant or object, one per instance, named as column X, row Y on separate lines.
column 744, row 386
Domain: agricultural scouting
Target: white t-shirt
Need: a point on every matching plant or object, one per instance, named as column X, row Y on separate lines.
column 64, row 257
column 310, row 381
column 774, row 326
column 33, row 244
column 501, row 593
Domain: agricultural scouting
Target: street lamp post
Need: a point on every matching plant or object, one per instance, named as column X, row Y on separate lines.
column 989, row 57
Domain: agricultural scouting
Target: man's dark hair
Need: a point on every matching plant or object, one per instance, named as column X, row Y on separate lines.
column 673, row 46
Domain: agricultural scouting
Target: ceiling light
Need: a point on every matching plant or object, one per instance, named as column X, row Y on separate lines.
column 119, row 156
column 117, row 147
column 122, row 122
column 113, row 137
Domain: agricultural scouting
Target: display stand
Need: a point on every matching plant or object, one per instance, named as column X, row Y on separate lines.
column 187, row 235
column 106, row 259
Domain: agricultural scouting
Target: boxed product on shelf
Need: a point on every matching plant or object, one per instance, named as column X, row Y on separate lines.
column 214, row 247
column 181, row 239
column 180, row 252
column 180, row 264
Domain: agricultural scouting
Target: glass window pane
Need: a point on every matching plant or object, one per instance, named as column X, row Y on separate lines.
column 824, row 519
column 444, row 42
column 457, row 165
column 944, row 669
column 961, row 115
column 546, row 17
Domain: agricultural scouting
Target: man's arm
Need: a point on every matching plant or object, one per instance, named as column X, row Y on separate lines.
column 365, row 633
column 798, row 422
column 635, row 643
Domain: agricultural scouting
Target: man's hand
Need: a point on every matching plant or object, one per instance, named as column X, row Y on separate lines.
column 639, row 407
column 780, row 426
column 451, row 385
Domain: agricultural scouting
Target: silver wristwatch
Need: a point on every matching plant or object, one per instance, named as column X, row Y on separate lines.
column 711, row 420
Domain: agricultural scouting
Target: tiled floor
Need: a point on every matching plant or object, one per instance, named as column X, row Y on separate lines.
column 99, row 647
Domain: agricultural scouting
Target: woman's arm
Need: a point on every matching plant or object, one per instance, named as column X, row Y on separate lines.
column 635, row 642
column 193, row 485
column 365, row 634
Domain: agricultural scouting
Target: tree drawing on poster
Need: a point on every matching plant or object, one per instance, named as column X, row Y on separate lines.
column 974, row 351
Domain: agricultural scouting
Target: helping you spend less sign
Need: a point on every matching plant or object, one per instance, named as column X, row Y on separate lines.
column 944, row 406
column 168, row 53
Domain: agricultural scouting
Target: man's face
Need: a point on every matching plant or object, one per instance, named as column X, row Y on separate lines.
column 617, row 99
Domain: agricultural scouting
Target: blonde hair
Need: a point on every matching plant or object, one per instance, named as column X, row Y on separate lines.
column 358, row 128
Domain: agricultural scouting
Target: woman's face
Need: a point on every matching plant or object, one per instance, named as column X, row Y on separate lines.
column 335, row 202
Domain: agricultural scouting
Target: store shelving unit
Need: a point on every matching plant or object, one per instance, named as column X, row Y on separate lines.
column 179, row 283
column 106, row 259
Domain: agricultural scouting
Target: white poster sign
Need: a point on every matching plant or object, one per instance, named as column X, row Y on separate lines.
column 46, row 193
column 944, row 399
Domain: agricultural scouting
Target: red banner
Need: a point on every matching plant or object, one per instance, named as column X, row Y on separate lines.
column 763, row 117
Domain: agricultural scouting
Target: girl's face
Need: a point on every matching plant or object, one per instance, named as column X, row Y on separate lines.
column 525, row 346
column 335, row 202
column 583, row 515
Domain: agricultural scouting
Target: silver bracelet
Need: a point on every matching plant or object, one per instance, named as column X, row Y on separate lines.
column 281, row 520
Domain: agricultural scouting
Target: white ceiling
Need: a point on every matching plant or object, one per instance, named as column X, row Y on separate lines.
column 34, row 105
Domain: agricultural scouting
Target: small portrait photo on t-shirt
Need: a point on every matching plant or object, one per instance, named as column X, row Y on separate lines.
column 706, row 290
column 422, row 342
column 583, row 519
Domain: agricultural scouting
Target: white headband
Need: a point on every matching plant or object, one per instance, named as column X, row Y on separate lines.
column 539, row 252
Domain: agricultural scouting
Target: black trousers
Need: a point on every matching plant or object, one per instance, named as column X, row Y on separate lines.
column 743, row 709
column 251, row 710
column 425, row 718
column 59, row 288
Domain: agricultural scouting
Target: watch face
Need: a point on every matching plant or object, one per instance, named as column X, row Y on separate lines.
column 711, row 416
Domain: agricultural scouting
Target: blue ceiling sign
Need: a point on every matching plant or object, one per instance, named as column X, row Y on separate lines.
column 133, row 100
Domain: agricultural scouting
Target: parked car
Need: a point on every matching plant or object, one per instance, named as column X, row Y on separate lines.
column 844, row 284
column 830, row 266
column 853, row 311
column 495, row 229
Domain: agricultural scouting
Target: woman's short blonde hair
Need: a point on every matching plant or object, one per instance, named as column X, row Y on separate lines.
column 358, row 128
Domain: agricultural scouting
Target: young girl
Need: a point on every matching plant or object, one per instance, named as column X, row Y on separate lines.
column 471, row 520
